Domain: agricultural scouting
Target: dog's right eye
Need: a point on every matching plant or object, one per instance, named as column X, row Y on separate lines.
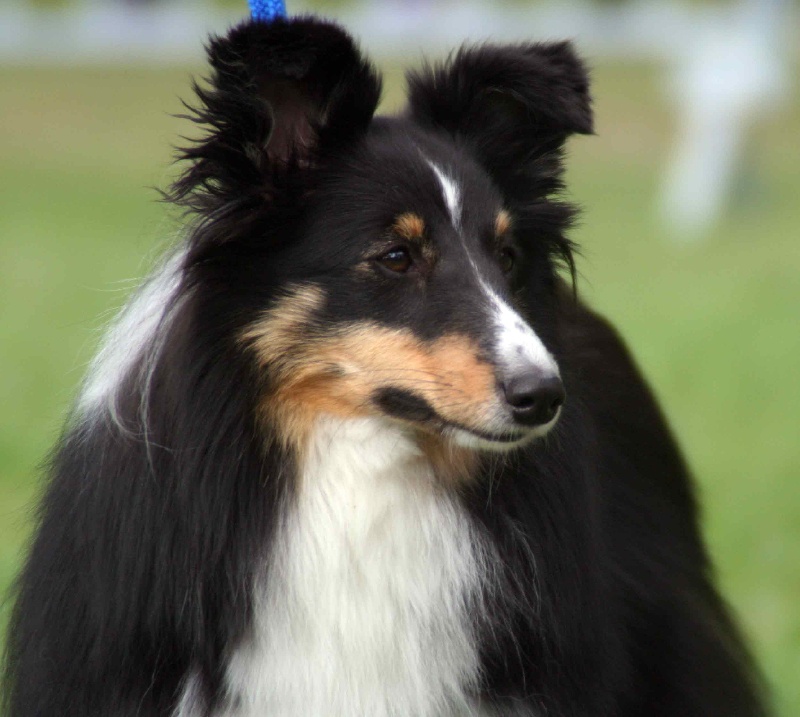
column 397, row 260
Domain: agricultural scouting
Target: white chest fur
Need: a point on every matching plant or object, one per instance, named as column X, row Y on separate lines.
column 370, row 590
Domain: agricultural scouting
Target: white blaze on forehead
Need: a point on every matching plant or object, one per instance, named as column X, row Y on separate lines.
column 451, row 192
column 516, row 344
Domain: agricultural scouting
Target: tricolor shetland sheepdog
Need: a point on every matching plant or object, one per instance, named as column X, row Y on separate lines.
column 355, row 449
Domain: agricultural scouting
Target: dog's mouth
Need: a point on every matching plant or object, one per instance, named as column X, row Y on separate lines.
column 485, row 440
column 477, row 439
column 501, row 435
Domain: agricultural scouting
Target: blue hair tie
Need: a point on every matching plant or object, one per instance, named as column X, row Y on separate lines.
column 266, row 10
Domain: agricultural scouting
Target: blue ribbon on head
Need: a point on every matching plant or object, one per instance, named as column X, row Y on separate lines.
column 267, row 10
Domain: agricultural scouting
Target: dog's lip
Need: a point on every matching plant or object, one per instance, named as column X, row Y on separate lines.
column 503, row 438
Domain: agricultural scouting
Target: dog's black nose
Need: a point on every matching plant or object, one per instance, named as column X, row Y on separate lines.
column 534, row 400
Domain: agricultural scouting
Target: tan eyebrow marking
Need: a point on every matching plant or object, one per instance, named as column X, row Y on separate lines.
column 502, row 223
column 409, row 226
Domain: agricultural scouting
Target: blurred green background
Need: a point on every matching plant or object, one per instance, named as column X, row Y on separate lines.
column 715, row 324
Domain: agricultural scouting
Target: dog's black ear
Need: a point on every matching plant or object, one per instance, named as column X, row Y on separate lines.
column 513, row 105
column 280, row 94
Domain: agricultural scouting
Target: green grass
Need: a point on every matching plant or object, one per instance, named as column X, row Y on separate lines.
column 715, row 325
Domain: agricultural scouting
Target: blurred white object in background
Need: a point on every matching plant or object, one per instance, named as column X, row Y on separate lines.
column 731, row 76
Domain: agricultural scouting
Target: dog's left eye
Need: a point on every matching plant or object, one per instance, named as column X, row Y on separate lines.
column 397, row 260
column 507, row 259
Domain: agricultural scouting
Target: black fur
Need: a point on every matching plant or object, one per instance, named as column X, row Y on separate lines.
column 152, row 526
column 404, row 404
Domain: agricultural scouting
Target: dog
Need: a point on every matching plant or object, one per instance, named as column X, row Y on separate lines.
column 356, row 448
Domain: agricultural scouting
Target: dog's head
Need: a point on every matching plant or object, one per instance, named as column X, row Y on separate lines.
column 400, row 266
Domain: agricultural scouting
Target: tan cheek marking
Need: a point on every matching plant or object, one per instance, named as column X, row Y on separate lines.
column 279, row 332
column 280, row 341
column 469, row 390
column 338, row 373
column 502, row 223
column 447, row 373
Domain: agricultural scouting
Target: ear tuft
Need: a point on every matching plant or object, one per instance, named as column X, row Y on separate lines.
column 514, row 105
column 547, row 82
column 280, row 95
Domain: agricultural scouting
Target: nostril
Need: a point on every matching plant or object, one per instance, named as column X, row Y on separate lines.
column 521, row 390
column 534, row 400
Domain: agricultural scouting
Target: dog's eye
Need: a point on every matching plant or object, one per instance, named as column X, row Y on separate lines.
column 507, row 259
column 397, row 260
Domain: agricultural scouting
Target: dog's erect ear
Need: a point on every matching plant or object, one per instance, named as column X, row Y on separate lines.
column 281, row 93
column 513, row 105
